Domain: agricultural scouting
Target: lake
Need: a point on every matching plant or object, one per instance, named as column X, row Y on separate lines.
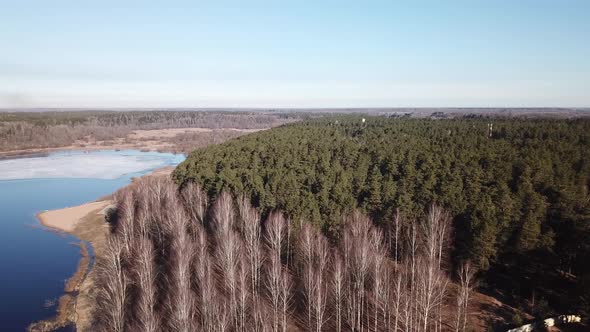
column 35, row 262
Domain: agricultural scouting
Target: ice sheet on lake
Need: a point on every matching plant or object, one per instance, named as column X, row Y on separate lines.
column 80, row 165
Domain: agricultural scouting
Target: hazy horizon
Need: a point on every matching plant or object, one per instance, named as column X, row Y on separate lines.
column 374, row 54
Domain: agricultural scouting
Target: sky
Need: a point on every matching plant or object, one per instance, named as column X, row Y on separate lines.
column 294, row 54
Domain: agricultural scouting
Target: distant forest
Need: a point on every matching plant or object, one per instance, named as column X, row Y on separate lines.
column 517, row 190
column 24, row 130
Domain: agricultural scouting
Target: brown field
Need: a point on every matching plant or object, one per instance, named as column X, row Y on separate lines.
column 178, row 140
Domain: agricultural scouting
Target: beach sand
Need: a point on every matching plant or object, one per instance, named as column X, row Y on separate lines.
column 87, row 223
column 66, row 219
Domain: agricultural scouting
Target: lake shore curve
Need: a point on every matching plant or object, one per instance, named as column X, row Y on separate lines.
column 86, row 222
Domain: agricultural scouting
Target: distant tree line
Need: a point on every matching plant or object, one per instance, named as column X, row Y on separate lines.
column 187, row 142
column 176, row 261
column 20, row 130
column 517, row 189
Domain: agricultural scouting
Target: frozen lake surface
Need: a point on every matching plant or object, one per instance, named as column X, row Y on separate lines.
column 76, row 164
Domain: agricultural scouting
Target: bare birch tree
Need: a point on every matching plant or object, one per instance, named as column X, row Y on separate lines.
column 338, row 288
column 434, row 235
column 202, row 278
column 182, row 299
column 168, row 267
column 397, row 222
column 305, row 253
column 358, row 253
column 318, row 269
column 194, row 201
column 211, row 306
column 466, row 283
column 273, row 285
column 276, row 231
column 113, row 294
column 410, row 264
column 431, row 285
column 286, row 283
column 380, row 281
column 228, row 251
column 251, row 232
column 398, row 295
column 126, row 218
column 223, row 214
column 145, row 278
column 243, row 293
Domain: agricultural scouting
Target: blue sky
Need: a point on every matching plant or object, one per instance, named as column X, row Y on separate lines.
column 294, row 54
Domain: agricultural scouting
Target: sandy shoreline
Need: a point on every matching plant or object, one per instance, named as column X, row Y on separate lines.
column 66, row 219
column 87, row 223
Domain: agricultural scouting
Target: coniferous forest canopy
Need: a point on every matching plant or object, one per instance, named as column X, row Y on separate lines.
column 518, row 194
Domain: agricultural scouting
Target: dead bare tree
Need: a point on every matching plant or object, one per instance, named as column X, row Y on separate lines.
column 466, row 283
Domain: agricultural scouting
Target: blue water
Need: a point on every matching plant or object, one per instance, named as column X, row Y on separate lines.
column 34, row 262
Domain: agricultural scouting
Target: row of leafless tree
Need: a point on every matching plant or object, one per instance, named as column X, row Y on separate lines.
column 174, row 263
